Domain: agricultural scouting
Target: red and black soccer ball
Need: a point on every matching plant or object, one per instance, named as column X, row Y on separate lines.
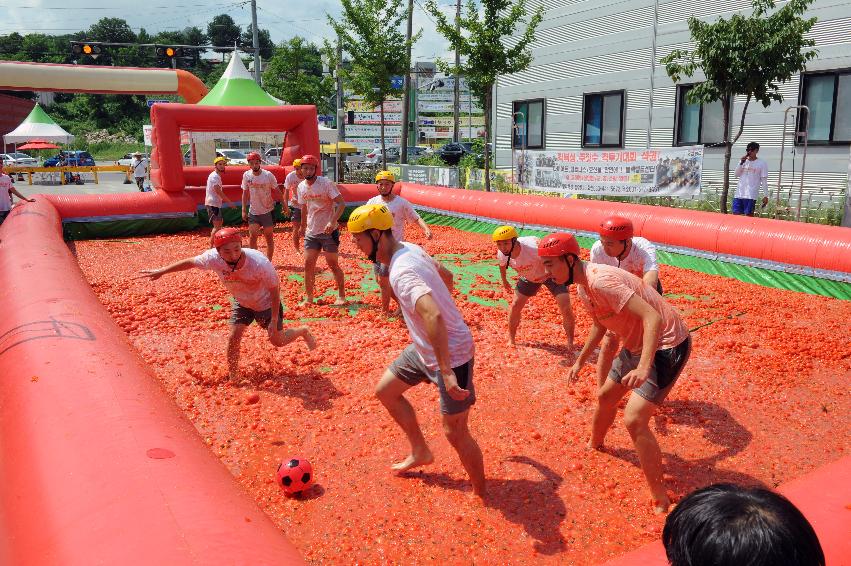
column 295, row 475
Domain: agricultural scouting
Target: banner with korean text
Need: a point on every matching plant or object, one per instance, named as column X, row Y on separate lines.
column 651, row 172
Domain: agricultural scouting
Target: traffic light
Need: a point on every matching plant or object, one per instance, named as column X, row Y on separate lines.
column 90, row 48
column 169, row 52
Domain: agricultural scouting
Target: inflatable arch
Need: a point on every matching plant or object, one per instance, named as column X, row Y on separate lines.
column 93, row 79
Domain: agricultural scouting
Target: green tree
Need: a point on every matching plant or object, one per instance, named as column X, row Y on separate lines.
column 746, row 56
column 223, row 32
column 194, row 36
column 115, row 30
column 294, row 74
column 11, row 45
column 485, row 54
column 369, row 31
column 267, row 46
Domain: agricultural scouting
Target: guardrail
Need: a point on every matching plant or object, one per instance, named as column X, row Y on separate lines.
column 94, row 169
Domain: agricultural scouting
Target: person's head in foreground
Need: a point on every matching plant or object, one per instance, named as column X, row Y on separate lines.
column 728, row 525
column 505, row 238
column 371, row 224
column 385, row 181
column 297, row 167
column 559, row 253
column 309, row 167
column 615, row 236
column 254, row 161
column 228, row 242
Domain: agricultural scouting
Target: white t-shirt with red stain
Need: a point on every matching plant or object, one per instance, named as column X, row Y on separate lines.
column 527, row 265
column 413, row 274
column 291, row 183
column 319, row 198
column 261, row 191
column 402, row 211
column 640, row 259
column 250, row 283
column 5, row 198
column 212, row 198
column 605, row 296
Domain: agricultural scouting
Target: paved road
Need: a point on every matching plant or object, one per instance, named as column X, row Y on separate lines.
column 108, row 183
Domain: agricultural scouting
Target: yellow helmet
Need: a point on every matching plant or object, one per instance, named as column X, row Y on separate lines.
column 296, row 162
column 370, row 217
column 385, row 176
column 220, row 159
column 504, row 233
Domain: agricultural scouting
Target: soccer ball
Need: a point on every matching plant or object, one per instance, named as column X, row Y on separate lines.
column 295, row 475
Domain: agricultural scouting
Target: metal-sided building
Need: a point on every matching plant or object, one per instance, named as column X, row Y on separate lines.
column 595, row 82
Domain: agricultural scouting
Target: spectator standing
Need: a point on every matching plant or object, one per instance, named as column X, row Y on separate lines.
column 139, row 169
column 752, row 173
column 7, row 189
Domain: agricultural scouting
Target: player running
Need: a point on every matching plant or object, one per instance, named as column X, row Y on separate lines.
column 442, row 349
column 215, row 196
column 403, row 213
column 321, row 207
column 259, row 193
column 256, row 288
column 618, row 247
column 522, row 255
column 291, row 183
column 656, row 341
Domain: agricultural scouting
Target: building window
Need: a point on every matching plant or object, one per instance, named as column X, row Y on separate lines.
column 527, row 124
column 698, row 123
column 602, row 123
column 828, row 96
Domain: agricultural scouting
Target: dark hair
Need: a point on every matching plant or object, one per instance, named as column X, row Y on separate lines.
column 753, row 146
column 736, row 526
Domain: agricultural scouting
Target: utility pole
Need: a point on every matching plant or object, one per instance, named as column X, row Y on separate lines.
column 406, row 99
column 341, row 108
column 255, row 41
column 457, row 93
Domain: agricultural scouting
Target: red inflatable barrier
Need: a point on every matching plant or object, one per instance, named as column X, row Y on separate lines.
column 121, row 205
column 811, row 246
column 97, row 463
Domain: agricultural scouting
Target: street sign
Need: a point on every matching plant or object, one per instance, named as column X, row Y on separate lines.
column 157, row 101
column 397, row 82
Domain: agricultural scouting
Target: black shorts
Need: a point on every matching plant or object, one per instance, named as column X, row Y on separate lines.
column 667, row 366
column 244, row 315
column 529, row 289
column 295, row 213
column 214, row 213
column 409, row 368
column 329, row 243
column 265, row 220
column 3, row 215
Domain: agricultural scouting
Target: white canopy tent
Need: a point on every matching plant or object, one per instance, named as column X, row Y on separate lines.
column 38, row 125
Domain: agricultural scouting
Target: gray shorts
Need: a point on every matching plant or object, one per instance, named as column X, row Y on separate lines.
column 244, row 315
column 326, row 242
column 530, row 289
column 214, row 213
column 265, row 220
column 667, row 365
column 295, row 214
column 409, row 367
column 381, row 270
column 3, row 215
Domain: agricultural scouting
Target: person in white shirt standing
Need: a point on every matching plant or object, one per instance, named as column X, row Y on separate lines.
column 752, row 173
column 619, row 247
column 215, row 196
column 442, row 350
column 291, row 183
column 259, row 193
column 522, row 255
column 7, row 189
column 139, row 168
column 321, row 207
column 256, row 288
column 403, row 213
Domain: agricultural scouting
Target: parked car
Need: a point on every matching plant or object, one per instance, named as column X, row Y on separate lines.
column 128, row 159
column 73, row 158
column 18, row 159
column 374, row 158
column 273, row 155
column 187, row 158
column 452, row 152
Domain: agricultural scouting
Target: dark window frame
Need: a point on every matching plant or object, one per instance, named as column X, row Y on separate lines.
column 601, row 94
column 514, row 109
column 836, row 73
column 679, row 105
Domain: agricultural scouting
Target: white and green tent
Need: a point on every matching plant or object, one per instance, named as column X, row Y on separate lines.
column 237, row 88
column 38, row 125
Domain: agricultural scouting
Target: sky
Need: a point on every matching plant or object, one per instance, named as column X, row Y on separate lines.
column 283, row 18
